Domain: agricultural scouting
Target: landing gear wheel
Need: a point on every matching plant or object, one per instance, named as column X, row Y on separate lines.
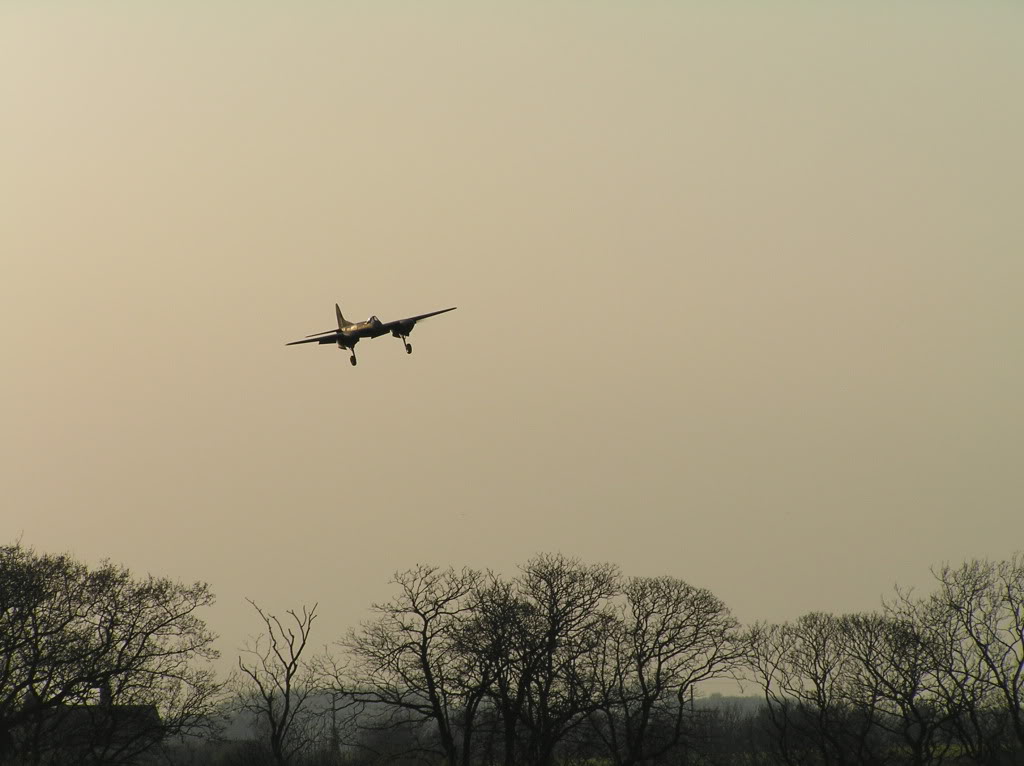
column 408, row 348
column 352, row 359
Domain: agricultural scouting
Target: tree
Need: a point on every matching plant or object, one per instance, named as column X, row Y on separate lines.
column 974, row 625
column 276, row 684
column 804, row 670
column 668, row 636
column 986, row 601
column 499, row 637
column 130, row 655
column 548, row 629
column 413, row 658
column 892, row 681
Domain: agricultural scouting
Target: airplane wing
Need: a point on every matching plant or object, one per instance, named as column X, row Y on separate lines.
column 332, row 338
column 405, row 325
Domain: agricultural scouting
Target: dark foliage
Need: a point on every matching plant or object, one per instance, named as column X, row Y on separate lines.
column 96, row 665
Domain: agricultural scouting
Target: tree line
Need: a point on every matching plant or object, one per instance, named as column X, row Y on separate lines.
column 565, row 662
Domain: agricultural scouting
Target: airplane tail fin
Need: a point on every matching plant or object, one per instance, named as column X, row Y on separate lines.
column 342, row 322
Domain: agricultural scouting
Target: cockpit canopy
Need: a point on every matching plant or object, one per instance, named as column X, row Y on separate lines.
column 373, row 320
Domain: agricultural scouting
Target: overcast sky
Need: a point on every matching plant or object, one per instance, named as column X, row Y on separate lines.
column 739, row 289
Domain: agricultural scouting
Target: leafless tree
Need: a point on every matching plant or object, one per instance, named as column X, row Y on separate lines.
column 275, row 683
column 499, row 636
column 412, row 658
column 550, row 625
column 892, row 682
column 668, row 636
column 974, row 626
column 804, row 671
column 986, row 601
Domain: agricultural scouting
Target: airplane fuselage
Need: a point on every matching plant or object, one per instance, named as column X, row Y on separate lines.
column 371, row 328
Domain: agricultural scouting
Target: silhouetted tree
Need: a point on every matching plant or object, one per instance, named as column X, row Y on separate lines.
column 973, row 625
column 566, row 663
column 414, row 658
column 804, row 670
column 892, row 682
column 667, row 637
column 123, row 662
column 499, row 636
column 986, row 600
column 546, row 630
column 275, row 683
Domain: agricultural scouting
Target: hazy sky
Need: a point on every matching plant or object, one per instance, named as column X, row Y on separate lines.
column 739, row 289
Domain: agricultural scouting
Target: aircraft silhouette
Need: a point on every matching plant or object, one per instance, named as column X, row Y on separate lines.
column 349, row 334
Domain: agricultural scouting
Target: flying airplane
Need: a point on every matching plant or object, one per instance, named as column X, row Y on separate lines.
column 349, row 334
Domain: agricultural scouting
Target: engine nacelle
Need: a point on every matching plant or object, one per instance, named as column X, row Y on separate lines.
column 401, row 330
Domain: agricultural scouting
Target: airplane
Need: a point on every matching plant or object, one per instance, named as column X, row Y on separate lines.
column 349, row 334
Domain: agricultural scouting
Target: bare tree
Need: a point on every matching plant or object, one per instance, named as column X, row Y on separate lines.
column 563, row 613
column 974, row 626
column 413, row 658
column 500, row 637
column 668, row 636
column 892, row 675
column 804, row 671
column 275, row 684
column 986, row 600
